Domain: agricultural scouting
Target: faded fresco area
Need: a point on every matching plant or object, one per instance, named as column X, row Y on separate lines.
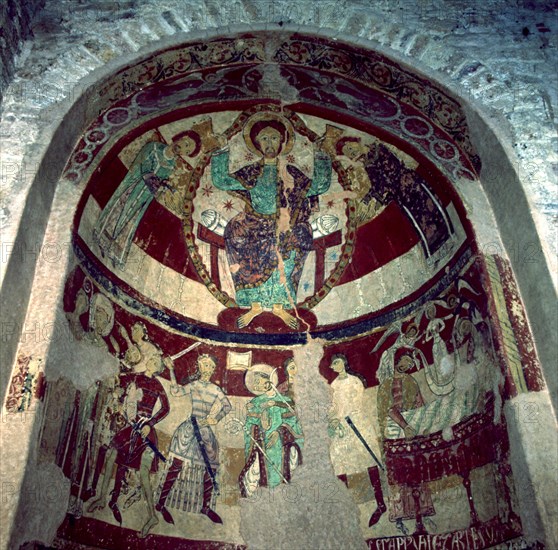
column 208, row 246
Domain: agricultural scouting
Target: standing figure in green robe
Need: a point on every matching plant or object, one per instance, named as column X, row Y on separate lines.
column 148, row 174
column 268, row 242
column 273, row 436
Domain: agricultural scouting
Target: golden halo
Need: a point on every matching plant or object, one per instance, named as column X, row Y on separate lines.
column 287, row 147
column 261, row 368
column 411, row 326
column 464, row 327
column 452, row 301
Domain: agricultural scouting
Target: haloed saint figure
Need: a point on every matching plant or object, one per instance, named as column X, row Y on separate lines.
column 268, row 242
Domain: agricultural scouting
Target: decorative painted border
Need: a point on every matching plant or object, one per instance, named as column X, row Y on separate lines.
column 336, row 57
column 373, row 69
column 437, row 126
column 516, row 346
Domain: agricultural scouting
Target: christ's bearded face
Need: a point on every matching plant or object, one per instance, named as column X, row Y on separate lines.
column 269, row 142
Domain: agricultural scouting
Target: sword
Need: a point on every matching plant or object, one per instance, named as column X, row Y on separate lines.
column 191, row 489
column 281, row 398
column 201, row 446
column 363, row 441
column 185, row 351
column 391, row 330
column 137, row 426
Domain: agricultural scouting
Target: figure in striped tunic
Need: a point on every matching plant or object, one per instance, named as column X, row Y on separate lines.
column 194, row 450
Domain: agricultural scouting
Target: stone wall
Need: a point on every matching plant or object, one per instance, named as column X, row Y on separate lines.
column 15, row 27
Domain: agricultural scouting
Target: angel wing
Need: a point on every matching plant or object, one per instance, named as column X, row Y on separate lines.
column 394, row 328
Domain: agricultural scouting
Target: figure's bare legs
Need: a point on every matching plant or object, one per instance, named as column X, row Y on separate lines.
column 146, row 460
column 101, row 501
column 287, row 318
column 245, row 319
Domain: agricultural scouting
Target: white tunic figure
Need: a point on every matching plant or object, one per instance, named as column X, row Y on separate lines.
column 347, row 453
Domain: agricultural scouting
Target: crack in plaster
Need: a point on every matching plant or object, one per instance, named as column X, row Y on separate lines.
column 315, row 510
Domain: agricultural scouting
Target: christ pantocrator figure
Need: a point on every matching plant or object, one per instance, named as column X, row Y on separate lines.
column 267, row 244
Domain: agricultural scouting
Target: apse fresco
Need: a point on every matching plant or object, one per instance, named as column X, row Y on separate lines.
column 211, row 242
column 264, row 212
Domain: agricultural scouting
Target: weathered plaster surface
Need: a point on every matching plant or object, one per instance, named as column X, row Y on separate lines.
column 530, row 422
column 315, row 493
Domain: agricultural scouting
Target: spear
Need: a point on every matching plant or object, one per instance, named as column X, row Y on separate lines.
column 260, row 448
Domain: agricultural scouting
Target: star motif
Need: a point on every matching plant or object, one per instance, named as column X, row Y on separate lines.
column 228, row 205
column 207, row 191
column 330, row 204
column 291, row 159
